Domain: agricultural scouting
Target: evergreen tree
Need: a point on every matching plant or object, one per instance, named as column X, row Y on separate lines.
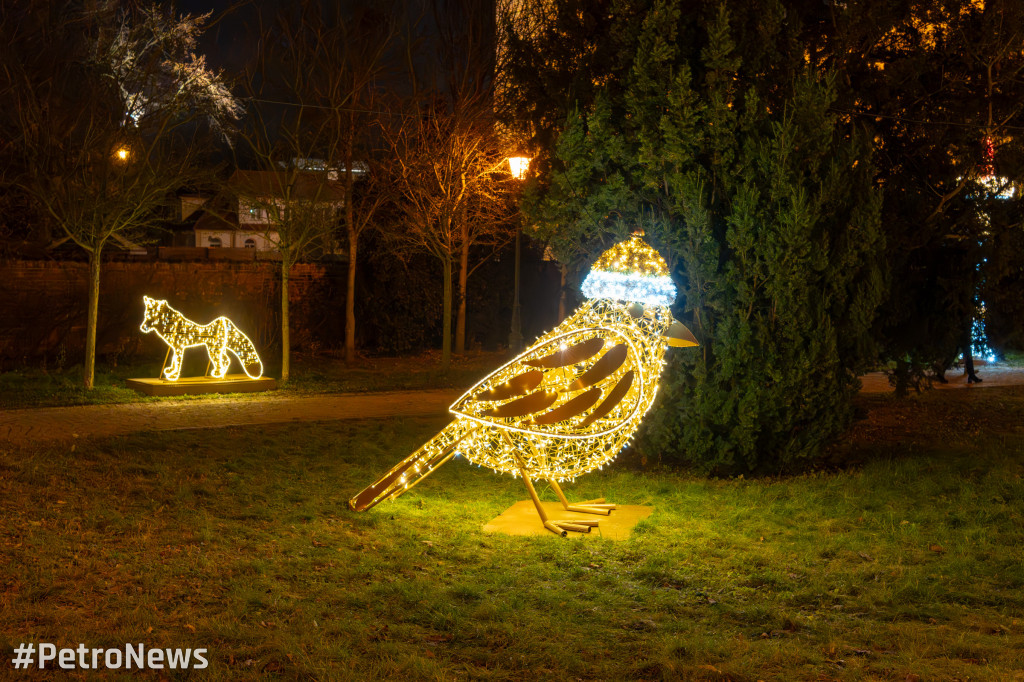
column 762, row 202
column 939, row 84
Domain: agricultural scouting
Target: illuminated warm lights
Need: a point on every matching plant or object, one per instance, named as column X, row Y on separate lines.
column 122, row 153
column 998, row 187
column 566, row 406
column 219, row 337
column 518, row 165
column 631, row 271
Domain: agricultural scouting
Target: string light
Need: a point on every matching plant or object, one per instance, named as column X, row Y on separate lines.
column 631, row 271
column 571, row 402
column 219, row 337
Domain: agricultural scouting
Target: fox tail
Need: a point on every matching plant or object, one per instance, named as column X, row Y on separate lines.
column 415, row 467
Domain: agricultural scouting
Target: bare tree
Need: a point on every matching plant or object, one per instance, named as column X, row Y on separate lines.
column 301, row 210
column 348, row 51
column 99, row 113
column 290, row 193
column 449, row 155
column 319, row 69
column 453, row 192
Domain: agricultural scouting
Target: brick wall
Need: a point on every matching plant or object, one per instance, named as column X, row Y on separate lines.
column 43, row 304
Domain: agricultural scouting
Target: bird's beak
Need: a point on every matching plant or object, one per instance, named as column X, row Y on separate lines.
column 679, row 336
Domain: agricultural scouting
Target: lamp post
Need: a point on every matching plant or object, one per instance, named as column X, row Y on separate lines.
column 518, row 166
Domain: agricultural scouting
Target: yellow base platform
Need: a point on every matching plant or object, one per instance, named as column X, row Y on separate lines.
column 232, row 383
column 522, row 519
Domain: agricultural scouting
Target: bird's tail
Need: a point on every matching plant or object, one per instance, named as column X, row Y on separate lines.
column 415, row 467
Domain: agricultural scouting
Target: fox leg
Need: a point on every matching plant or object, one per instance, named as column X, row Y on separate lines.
column 174, row 371
column 216, row 348
column 221, row 361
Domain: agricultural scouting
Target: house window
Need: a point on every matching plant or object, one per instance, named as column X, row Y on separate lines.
column 214, row 242
column 250, row 243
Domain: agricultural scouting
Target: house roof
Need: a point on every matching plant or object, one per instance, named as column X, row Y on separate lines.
column 306, row 185
column 214, row 219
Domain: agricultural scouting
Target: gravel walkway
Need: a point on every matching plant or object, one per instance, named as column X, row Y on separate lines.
column 992, row 375
column 23, row 427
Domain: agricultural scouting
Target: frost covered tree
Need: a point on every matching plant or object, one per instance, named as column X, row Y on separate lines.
column 105, row 107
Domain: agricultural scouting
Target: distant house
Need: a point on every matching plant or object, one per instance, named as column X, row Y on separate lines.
column 243, row 217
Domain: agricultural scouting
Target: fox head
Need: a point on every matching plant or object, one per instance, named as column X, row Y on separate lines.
column 154, row 308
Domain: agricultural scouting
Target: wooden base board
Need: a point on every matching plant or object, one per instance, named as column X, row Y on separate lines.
column 232, row 383
column 522, row 519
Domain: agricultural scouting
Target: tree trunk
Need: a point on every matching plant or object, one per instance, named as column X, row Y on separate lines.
column 968, row 351
column 89, row 368
column 350, row 299
column 286, row 347
column 460, row 322
column 564, row 269
column 446, row 341
column 353, row 247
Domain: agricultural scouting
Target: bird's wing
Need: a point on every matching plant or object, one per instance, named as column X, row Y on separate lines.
column 574, row 382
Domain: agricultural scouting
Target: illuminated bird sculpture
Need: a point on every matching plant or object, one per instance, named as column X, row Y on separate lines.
column 574, row 399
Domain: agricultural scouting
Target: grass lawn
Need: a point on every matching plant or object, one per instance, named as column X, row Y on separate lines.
column 903, row 563
column 323, row 373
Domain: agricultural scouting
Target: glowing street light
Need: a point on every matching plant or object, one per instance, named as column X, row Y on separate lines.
column 518, row 165
column 122, row 153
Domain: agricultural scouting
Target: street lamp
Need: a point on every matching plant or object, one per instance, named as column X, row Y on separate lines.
column 518, row 165
column 122, row 153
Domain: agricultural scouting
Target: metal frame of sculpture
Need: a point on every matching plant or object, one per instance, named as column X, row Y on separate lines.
column 571, row 402
column 219, row 337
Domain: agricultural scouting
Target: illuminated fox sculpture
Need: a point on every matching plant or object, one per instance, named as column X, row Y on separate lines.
column 574, row 399
column 219, row 337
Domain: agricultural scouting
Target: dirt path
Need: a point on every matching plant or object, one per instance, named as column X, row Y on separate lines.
column 992, row 375
column 23, row 427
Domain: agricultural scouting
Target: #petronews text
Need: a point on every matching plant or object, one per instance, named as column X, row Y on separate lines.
column 133, row 656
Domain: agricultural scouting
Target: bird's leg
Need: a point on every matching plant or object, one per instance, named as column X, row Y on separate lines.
column 558, row 527
column 597, row 506
column 589, row 507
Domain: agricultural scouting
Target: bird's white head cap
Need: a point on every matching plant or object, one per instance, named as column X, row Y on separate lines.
column 631, row 271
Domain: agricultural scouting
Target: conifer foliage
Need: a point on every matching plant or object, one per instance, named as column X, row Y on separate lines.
column 764, row 205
